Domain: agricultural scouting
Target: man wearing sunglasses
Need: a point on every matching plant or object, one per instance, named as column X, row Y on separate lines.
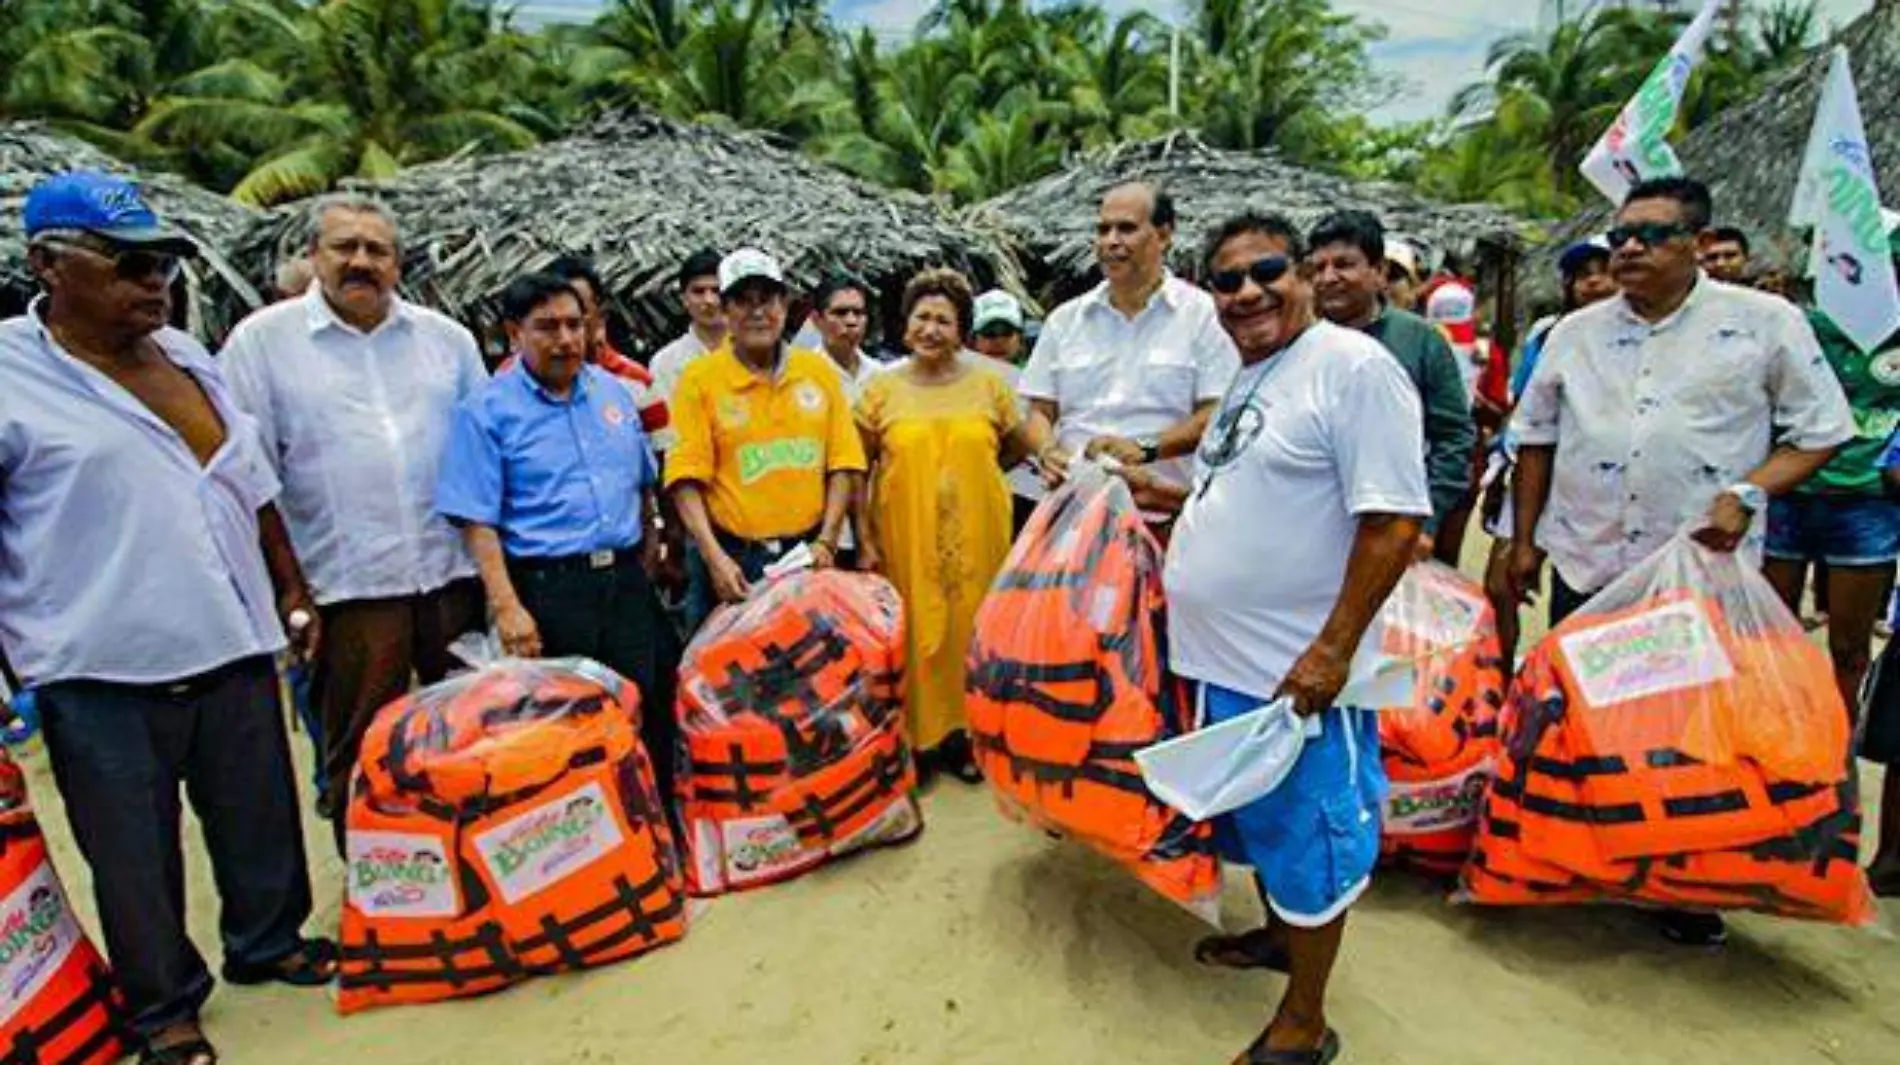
column 1133, row 368
column 353, row 388
column 1349, row 286
column 1308, row 495
column 134, row 497
column 1681, row 400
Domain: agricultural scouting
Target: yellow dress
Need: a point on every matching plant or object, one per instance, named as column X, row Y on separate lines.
column 941, row 510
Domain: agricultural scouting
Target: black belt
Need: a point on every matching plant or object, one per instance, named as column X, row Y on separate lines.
column 777, row 545
column 584, row 563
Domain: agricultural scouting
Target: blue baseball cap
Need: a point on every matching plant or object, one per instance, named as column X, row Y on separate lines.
column 1574, row 256
column 103, row 205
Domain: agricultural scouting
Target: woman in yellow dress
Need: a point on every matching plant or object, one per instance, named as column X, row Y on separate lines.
column 939, row 431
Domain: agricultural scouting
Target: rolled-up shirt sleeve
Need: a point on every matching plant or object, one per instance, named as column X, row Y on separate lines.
column 1216, row 360
column 1038, row 380
column 1534, row 422
column 1381, row 472
column 1810, row 409
column 691, row 456
column 469, row 483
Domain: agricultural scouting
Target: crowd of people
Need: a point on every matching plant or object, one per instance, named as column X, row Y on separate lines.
column 346, row 481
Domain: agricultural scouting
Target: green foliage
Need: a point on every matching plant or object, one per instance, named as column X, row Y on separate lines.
column 1518, row 137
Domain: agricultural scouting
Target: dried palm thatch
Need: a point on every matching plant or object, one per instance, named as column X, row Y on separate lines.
column 1054, row 218
column 216, row 293
column 1751, row 154
column 637, row 194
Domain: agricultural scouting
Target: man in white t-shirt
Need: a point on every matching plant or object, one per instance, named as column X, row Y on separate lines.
column 1132, row 368
column 706, row 323
column 1309, row 491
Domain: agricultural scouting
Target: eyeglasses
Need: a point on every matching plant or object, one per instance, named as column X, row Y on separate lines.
column 1648, row 234
column 1264, row 272
column 131, row 264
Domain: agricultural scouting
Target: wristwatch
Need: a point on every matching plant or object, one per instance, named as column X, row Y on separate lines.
column 1150, row 448
column 1751, row 496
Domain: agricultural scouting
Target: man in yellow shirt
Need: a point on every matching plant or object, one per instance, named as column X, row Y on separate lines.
column 767, row 454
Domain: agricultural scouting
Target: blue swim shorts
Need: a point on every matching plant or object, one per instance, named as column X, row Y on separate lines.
column 1312, row 841
column 1840, row 530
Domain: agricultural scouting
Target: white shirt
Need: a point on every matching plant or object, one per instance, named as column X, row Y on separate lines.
column 1651, row 422
column 671, row 361
column 1303, row 444
column 1024, row 481
column 122, row 558
column 356, row 426
column 853, row 384
column 1110, row 375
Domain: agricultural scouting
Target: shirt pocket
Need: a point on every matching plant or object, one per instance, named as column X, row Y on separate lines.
column 1168, row 376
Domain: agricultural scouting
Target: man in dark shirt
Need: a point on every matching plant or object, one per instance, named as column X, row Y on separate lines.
column 1347, row 254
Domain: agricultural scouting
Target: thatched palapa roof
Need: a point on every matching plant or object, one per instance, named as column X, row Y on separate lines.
column 637, row 194
column 1750, row 155
column 217, row 293
column 1054, row 218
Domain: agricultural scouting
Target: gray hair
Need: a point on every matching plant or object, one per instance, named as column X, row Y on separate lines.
column 355, row 203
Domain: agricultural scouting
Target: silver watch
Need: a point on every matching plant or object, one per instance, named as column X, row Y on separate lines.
column 1752, row 497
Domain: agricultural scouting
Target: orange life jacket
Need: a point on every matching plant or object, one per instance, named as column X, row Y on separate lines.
column 1439, row 752
column 1636, row 767
column 57, row 1002
column 792, row 716
column 1067, row 680
column 502, row 825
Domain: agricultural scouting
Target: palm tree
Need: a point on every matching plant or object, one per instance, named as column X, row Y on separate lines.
column 1002, row 149
column 1264, row 73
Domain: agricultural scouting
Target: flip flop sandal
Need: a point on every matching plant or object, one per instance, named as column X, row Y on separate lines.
column 1248, row 950
column 197, row 1051
column 1258, row 1054
column 312, row 964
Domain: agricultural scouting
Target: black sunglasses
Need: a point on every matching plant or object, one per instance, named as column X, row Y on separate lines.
column 1263, row 271
column 1648, row 234
column 130, row 264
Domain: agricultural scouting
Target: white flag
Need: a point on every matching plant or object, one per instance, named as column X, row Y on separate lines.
column 1853, row 259
column 1636, row 146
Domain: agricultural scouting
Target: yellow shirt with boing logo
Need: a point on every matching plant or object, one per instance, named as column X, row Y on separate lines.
column 761, row 447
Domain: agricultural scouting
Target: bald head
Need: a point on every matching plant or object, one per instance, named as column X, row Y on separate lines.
column 1133, row 232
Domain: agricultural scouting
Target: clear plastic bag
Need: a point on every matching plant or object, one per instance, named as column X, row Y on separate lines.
column 1067, row 681
column 792, row 716
column 503, row 823
column 1678, row 741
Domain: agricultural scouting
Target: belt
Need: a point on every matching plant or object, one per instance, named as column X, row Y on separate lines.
column 777, row 545
column 583, row 563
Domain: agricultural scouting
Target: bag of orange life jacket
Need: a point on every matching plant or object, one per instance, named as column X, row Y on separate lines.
column 503, row 824
column 57, row 1002
column 791, row 712
column 1441, row 748
column 1068, row 679
column 1679, row 741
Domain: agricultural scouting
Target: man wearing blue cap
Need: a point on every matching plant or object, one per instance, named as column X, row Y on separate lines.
column 134, row 496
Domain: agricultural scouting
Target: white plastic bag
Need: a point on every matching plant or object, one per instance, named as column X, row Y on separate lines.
column 1213, row 770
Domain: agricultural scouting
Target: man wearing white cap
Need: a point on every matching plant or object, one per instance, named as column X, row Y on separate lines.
column 997, row 321
column 1133, row 368
column 767, row 453
column 1401, row 275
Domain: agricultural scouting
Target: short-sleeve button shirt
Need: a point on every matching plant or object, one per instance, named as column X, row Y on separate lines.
column 1111, row 375
column 1651, row 421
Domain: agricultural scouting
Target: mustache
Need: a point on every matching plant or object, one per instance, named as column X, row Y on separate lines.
column 352, row 277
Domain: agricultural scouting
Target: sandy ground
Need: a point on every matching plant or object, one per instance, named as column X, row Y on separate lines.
column 984, row 942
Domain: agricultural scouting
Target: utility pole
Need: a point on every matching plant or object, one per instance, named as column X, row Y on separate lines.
column 1174, row 75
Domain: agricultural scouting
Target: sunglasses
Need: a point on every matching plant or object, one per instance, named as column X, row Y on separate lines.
column 1648, row 234
column 1264, row 272
column 131, row 264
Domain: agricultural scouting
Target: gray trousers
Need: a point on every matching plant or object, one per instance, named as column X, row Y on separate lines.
column 119, row 753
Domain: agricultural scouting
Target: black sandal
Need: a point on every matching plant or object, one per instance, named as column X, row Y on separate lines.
column 1248, row 950
column 312, row 964
column 194, row 1051
column 1258, row 1054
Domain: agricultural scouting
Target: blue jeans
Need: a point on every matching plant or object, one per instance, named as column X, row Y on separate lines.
column 298, row 676
column 751, row 555
column 1840, row 530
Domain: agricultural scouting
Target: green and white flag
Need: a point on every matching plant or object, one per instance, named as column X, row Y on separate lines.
column 1837, row 195
column 1636, row 146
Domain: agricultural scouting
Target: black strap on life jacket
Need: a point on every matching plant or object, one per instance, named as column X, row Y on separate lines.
column 818, row 818
column 816, row 734
column 97, row 1004
column 486, row 955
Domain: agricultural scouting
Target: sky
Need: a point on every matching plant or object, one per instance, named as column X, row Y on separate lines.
column 1434, row 46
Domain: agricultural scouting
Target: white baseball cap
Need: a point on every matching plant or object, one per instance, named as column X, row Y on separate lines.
column 746, row 264
column 1452, row 303
column 997, row 306
column 1406, row 256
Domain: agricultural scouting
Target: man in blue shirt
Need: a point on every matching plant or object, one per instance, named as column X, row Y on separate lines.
column 552, row 479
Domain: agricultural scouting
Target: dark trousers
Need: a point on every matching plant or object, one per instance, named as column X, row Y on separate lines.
column 1564, row 600
column 751, row 555
column 371, row 648
column 119, row 753
column 612, row 616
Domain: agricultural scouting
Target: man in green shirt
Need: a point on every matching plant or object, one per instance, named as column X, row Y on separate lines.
column 1841, row 517
column 1347, row 253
